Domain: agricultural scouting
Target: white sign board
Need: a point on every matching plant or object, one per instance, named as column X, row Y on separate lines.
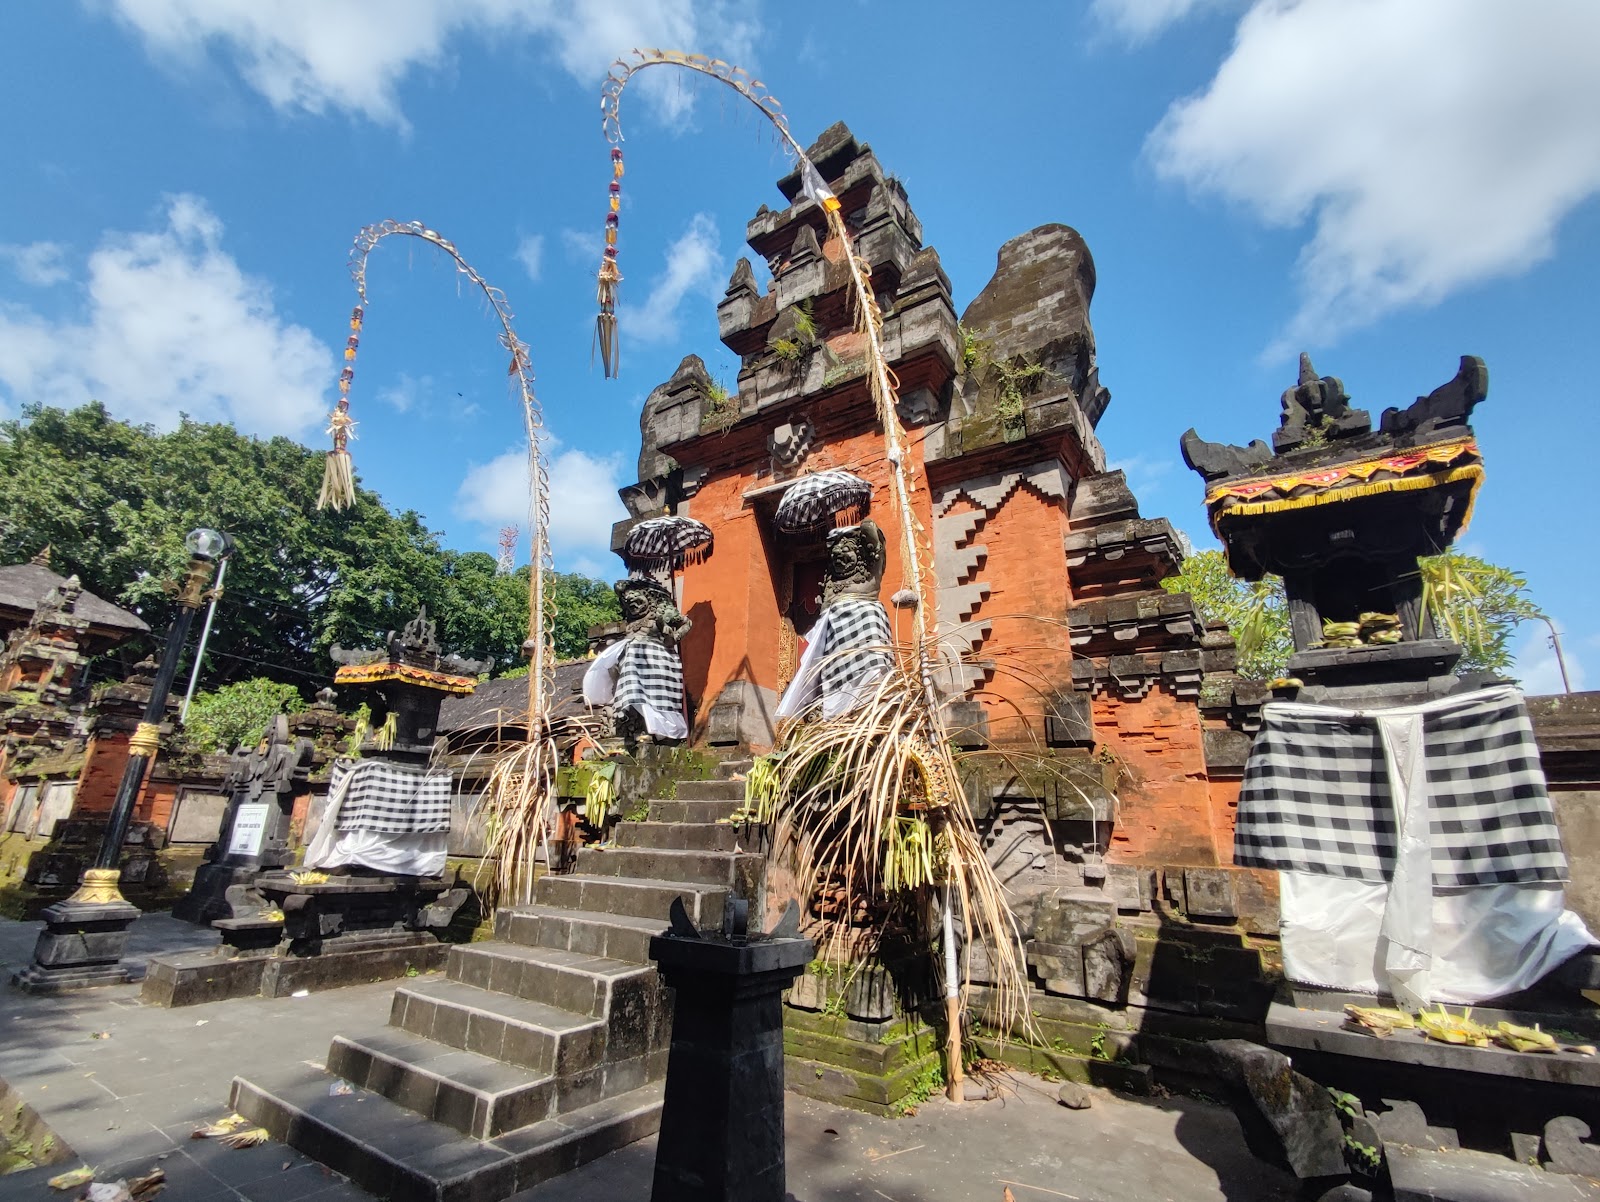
column 249, row 828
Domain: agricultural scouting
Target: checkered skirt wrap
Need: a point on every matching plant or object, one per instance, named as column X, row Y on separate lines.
column 392, row 799
column 1316, row 795
column 648, row 674
column 854, row 622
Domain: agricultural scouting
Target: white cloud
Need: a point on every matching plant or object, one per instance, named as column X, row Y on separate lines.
column 37, row 263
column 1536, row 666
column 171, row 325
column 1145, row 474
column 1430, row 144
column 582, row 245
column 352, row 55
column 530, row 253
column 1136, row 21
column 694, row 268
column 583, row 501
column 405, row 393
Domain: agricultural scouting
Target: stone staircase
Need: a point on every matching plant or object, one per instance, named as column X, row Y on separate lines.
column 537, row 1051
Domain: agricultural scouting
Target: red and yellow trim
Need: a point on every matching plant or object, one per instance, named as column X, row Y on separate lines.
column 381, row 673
column 1418, row 468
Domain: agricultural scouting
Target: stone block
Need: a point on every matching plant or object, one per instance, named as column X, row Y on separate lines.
column 1567, row 1148
column 1287, row 1118
column 1226, row 750
column 1108, row 967
column 1208, row 893
column 1069, row 721
column 1059, row 967
column 870, row 996
column 809, row 992
column 742, row 716
column 1130, row 886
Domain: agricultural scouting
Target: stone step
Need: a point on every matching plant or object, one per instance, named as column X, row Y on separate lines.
column 638, row 898
column 709, row 790
column 531, row 1035
column 680, row 836
column 476, row 1095
column 393, row 1153
column 692, row 811
column 728, row 769
column 700, row 867
column 568, row 980
column 614, row 936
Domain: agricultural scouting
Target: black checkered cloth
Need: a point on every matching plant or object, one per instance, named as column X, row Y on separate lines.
column 390, row 798
column 854, row 644
column 648, row 674
column 1317, row 797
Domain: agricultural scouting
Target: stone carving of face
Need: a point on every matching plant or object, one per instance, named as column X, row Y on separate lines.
column 636, row 603
column 844, row 559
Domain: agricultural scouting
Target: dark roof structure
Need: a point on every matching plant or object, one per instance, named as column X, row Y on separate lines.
column 504, row 702
column 24, row 585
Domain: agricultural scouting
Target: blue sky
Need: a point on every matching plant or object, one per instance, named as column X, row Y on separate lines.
column 1389, row 184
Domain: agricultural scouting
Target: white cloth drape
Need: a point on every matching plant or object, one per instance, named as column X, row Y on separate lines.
column 600, row 686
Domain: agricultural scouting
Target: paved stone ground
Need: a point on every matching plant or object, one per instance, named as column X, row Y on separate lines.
column 127, row 1102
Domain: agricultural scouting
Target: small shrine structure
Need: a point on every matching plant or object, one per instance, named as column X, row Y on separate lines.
column 1402, row 805
column 371, row 900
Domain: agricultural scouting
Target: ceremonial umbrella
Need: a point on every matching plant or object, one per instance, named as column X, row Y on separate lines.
column 666, row 543
column 821, row 498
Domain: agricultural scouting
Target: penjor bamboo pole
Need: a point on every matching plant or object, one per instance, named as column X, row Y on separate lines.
column 884, row 395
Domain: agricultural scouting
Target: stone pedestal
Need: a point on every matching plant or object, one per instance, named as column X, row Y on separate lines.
column 81, row 946
column 722, row 1118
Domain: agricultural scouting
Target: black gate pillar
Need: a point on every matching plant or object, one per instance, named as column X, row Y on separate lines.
column 722, row 1118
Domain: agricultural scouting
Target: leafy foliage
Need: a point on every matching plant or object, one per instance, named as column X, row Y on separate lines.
column 1476, row 603
column 1257, row 614
column 581, row 602
column 238, row 713
column 114, row 501
column 1479, row 604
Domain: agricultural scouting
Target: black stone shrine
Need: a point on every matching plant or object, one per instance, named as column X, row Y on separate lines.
column 722, row 1116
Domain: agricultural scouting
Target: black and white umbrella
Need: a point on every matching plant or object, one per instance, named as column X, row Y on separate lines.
column 666, row 543
column 823, row 499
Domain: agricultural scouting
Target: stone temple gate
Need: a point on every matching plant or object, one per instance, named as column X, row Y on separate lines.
column 1061, row 645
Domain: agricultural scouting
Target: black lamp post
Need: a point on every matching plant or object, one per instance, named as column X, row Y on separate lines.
column 85, row 935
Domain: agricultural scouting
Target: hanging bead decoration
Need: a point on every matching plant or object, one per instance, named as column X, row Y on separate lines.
column 338, row 476
column 605, row 331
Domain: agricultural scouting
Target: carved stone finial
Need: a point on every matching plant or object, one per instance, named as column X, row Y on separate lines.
column 42, row 559
column 1319, row 405
column 1450, row 404
column 806, row 247
column 743, row 280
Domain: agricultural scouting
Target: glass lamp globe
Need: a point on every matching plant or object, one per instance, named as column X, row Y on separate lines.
column 208, row 544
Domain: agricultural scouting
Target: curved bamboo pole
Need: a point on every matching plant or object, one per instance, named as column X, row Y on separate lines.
column 869, row 318
column 884, row 388
column 521, row 781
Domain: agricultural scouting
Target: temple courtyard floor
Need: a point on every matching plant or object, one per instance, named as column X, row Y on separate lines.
column 124, row 1084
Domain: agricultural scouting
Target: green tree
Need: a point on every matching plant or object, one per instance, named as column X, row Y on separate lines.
column 1477, row 603
column 580, row 602
column 114, row 500
column 238, row 713
column 1256, row 614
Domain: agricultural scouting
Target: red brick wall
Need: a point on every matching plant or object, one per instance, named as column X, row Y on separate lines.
column 1165, row 812
column 732, row 596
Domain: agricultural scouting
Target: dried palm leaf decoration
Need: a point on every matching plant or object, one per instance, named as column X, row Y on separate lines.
column 520, row 799
column 867, row 808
